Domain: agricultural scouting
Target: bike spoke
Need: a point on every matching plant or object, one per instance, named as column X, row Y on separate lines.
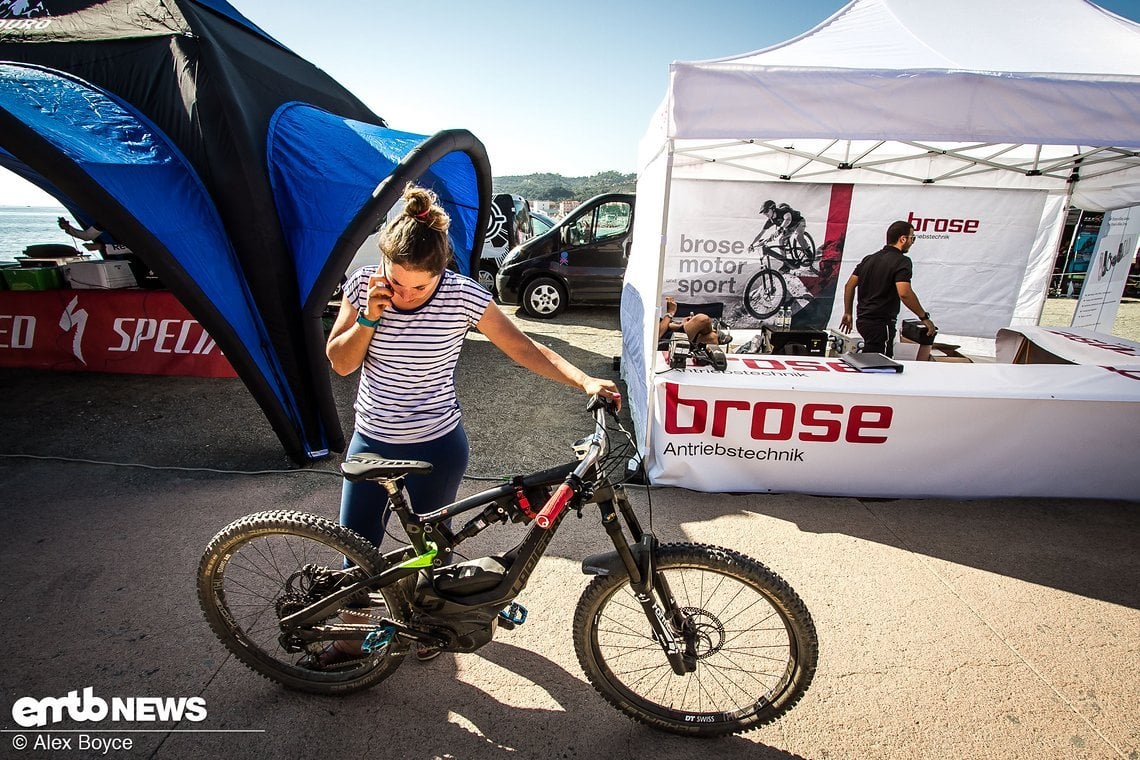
column 741, row 652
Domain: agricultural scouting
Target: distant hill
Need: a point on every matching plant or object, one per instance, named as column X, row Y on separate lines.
column 555, row 187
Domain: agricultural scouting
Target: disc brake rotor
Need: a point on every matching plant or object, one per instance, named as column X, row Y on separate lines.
column 703, row 631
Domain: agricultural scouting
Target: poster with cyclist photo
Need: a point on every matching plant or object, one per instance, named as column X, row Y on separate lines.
column 1107, row 270
column 755, row 253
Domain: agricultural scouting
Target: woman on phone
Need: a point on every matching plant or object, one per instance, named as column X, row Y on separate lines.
column 403, row 323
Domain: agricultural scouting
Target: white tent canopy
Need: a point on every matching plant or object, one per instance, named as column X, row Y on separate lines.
column 1012, row 94
column 1020, row 95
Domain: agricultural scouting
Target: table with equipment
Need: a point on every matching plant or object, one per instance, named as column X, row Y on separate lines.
column 816, row 424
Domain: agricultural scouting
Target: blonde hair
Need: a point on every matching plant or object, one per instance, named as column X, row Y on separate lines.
column 417, row 238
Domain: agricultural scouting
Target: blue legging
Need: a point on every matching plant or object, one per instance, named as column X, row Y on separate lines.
column 363, row 505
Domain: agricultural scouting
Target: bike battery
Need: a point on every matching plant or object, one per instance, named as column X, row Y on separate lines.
column 915, row 331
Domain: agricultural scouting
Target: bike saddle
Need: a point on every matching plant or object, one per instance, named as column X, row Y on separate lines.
column 372, row 467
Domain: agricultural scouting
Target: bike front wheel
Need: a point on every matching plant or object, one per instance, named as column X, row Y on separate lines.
column 765, row 293
column 753, row 639
column 266, row 566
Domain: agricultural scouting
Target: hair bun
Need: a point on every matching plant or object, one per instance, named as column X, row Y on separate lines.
column 422, row 205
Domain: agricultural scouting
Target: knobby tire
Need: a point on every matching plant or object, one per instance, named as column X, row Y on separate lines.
column 765, row 293
column 242, row 580
column 755, row 641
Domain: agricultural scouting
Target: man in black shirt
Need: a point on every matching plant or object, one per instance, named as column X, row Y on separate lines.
column 883, row 281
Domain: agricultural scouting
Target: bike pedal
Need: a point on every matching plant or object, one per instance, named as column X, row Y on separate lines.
column 515, row 614
column 377, row 639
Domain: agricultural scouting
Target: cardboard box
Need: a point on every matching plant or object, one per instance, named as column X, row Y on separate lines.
column 99, row 275
column 944, row 352
column 32, row 278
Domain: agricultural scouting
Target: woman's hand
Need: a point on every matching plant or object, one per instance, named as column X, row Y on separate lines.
column 379, row 296
column 607, row 389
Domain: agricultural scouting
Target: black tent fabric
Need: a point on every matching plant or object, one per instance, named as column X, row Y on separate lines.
column 244, row 176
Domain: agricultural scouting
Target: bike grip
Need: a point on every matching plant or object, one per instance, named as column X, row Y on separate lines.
column 555, row 506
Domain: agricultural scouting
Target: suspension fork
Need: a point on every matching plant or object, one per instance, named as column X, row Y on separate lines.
column 657, row 580
column 639, row 562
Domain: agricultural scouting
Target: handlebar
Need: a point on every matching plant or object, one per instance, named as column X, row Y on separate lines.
column 566, row 492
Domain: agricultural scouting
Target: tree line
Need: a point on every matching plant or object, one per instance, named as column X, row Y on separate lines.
column 555, row 187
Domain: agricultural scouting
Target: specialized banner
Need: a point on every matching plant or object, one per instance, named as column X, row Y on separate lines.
column 130, row 331
column 753, row 250
column 808, row 425
column 1107, row 271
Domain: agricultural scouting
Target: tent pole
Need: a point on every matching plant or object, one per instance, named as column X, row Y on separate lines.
column 1074, row 178
column 1069, row 251
column 651, row 313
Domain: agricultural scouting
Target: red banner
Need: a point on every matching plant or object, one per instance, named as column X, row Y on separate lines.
column 127, row 331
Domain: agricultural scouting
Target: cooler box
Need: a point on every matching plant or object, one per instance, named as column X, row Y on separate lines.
column 100, row 275
column 32, row 278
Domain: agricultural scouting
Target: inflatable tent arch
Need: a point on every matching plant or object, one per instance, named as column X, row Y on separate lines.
column 154, row 116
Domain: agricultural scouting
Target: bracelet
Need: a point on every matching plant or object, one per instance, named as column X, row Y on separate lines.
column 362, row 319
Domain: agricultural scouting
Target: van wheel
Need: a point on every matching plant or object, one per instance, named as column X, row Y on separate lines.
column 487, row 279
column 544, row 298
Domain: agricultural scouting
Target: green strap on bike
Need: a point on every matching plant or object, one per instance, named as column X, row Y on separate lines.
column 422, row 560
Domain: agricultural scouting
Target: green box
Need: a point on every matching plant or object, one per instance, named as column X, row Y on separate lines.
column 32, row 278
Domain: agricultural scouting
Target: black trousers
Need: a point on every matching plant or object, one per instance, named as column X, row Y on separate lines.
column 878, row 336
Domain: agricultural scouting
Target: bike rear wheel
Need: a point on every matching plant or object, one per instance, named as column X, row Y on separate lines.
column 799, row 255
column 267, row 565
column 765, row 293
column 754, row 640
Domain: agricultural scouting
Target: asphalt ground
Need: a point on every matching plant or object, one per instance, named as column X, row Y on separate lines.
column 948, row 629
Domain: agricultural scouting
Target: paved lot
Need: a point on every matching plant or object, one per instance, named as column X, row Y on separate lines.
column 988, row 629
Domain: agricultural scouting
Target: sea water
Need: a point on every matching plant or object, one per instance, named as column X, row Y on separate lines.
column 21, row 226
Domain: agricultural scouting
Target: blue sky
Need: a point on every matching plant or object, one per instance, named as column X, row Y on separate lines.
column 562, row 87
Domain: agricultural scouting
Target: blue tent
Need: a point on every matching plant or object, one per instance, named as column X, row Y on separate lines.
column 243, row 176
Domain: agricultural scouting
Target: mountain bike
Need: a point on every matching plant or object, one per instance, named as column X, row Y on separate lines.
column 767, row 290
column 688, row 638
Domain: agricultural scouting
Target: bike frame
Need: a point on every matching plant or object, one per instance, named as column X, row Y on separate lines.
column 433, row 542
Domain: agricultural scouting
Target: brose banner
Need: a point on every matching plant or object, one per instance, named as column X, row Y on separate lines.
column 758, row 250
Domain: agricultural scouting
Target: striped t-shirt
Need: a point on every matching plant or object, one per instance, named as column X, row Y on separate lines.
column 407, row 381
